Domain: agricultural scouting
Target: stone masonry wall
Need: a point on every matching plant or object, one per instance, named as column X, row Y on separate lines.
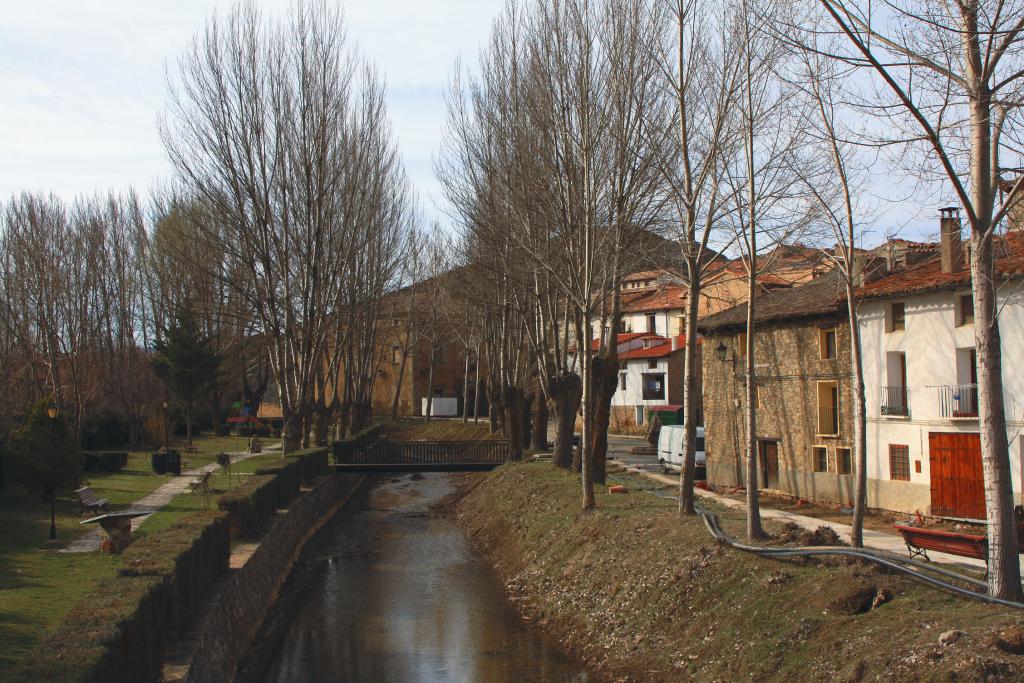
column 788, row 369
column 251, row 590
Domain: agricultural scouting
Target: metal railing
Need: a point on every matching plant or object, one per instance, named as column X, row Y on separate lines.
column 958, row 400
column 828, row 420
column 421, row 455
column 894, row 401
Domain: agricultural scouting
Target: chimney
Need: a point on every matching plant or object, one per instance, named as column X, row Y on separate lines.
column 950, row 251
column 1015, row 214
column 677, row 342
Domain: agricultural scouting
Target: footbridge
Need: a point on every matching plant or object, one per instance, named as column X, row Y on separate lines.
column 420, row 456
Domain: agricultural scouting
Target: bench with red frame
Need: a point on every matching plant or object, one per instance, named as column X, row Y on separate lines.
column 919, row 541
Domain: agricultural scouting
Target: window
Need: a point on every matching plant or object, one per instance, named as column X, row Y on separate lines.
column 844, row 460
column 652, row 365
column 899, row 462
column 652, row 323
column 894, row 399
column 396, row 355
column 741, row 344
column 653, row 387
column 827, row 343
column 681, row 325
column 897, row 317
column 700, row 444
column 828, row 408
column 965, row 310
column 819, row 454
column 639, row 415
column 622, row 381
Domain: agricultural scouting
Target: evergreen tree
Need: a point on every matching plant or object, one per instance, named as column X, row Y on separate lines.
column 186, row 362
column 45, row 456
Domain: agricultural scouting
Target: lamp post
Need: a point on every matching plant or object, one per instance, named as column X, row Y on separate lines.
column 53, row 412
column 167, row 436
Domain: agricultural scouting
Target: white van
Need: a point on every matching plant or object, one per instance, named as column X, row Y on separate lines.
column 671, row 442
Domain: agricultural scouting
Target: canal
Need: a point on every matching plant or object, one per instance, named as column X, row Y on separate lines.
column 390, row 591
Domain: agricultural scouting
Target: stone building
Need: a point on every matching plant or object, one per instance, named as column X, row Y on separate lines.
column 802, row 368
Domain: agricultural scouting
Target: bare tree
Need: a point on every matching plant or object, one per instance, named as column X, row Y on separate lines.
column 950, row 80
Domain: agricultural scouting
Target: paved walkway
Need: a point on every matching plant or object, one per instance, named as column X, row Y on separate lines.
column 878, row 540
column 151, row 503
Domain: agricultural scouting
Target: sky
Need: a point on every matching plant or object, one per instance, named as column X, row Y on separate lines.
column 82, row 83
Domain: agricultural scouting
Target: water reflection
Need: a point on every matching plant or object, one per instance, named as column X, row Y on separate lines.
column 402, row 598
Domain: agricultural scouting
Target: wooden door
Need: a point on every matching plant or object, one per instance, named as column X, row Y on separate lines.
column 769, row 451
column 958, row 485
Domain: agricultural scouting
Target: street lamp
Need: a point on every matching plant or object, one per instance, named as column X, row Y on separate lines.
column 720, row 351
column 53, row 412
column 167, row 435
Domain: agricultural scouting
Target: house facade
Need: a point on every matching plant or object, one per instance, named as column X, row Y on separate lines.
column 650, row 375
column 804, row 409
column 917, row 331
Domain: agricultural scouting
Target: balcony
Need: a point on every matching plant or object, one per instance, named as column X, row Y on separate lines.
column 958, row 400
column 894, row 401
column 828, row 420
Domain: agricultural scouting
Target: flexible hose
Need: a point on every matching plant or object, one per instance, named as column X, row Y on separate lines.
column 908, row 566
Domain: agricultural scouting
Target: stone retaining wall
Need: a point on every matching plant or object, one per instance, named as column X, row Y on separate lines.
column 250, row 591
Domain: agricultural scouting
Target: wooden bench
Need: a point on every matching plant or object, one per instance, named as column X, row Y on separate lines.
column 919, row 541
column 88, row 500
column 202, row 483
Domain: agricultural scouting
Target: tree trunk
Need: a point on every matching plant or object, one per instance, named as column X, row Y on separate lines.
column 860, row 431
column 465, row 389
column 292, row 436
column 476, row 391
column 1003, row 561
column 754, row 529
column 512, row 401
column 691, row 396
column 539, row 433
column 430, row 390
column 398, row 386
column 606, row 377
column 188, row 424
column 586, row 463
column 566, row 391
column 323, row 422
column 361, row 412
column 307, row 427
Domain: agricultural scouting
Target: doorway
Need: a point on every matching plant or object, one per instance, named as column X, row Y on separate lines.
column 957, row 481
column 768, row 455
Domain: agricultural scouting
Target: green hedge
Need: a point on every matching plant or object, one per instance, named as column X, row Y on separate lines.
column 313, row 463
column 192, row 553
column 287, row 479
column 368, row 435
column 105, row 461
column 251, row 505
column 120, row 630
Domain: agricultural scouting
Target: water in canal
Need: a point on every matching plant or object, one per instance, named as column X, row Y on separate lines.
column 392, row 592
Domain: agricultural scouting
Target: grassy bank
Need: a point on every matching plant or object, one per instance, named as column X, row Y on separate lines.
column 641, row 595
column 415, row 429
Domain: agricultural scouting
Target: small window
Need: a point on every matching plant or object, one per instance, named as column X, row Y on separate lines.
column 965, row 310
column 653, row 387
column 844, row 460
column 820, row 456
column 652, row 323
column 652, row 365
column 681, row 325
column 897, row 316
column 622, row 381
column 396, row 355
column 699, row 447
column 899, row 462
column 741, row 344
column 827, row 343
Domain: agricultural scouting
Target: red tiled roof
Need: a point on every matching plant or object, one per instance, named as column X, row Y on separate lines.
column 928, row 275
column 659, row 351
column 663, row 298
column 643, row 275
column 595, row 344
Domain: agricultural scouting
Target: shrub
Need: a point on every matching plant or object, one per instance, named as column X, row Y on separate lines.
column 262, row 431
column 104, row 461
column 250, row 505
column 158, row 460
column 287, row 479
column 368, row 435
column 40, row 444
column 312, row 462
column 104, row 429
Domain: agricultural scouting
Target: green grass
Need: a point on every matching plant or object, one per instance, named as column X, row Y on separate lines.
column 38, row 586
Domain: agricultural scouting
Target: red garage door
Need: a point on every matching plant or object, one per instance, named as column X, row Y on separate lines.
column 958, row 485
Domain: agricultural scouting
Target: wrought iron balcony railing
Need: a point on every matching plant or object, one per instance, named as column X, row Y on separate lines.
column 895, row 401
column 958, row 400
